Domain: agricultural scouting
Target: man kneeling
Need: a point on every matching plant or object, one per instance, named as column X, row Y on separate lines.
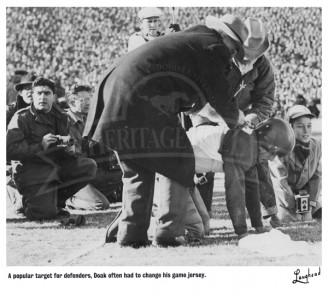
column 49, row 171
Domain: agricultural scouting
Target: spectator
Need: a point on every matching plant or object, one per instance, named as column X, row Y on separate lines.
column 149, row 24
column 23, row 98
column 299, row 173
column 314, row 109
column 50, row 172
column 55, row 38
column 78, row 99
column 300, row 100
column 15, row 79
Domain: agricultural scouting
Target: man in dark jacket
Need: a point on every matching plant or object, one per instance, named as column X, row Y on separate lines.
column 49, row 172
column 252, row 81
column 135, row 113
column 23, row 98
column 254, row 84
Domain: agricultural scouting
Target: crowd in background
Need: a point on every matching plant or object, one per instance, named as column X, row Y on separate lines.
column 71, row 45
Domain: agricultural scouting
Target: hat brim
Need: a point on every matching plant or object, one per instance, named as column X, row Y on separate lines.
column 20, row 86
column 214, row 23
column 254, row 53
column 301, row 115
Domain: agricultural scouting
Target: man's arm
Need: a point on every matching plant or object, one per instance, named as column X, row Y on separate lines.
column 220, row 94
column 315, row 180
column 263, row 92
column 18, row 146
column 279, row 176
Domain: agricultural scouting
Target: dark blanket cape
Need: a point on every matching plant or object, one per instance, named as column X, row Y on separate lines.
column 136, row 103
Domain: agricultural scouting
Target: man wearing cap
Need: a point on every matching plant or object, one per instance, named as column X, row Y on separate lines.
column 149, row 18
column 299, row 173
column 23, row 98
column 49, row 171
column 135, row 113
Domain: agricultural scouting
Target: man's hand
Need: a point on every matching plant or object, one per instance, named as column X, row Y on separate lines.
column 241, row 119
column 175, row 28
column 252, row 119
column 72, row 150
column 47, row 140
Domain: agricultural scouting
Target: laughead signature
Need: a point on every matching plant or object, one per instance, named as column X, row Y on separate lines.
column 304, row 279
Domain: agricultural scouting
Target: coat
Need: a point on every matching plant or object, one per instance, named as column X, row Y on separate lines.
column 289, row 175
column 257, row 96
column 24, row 137
column 12, row 108
column 137, row 101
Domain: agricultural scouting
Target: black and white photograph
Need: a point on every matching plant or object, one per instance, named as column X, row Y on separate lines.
column 152, row 145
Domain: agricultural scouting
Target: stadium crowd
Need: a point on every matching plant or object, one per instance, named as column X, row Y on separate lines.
column 259, row 70
column 70, row 45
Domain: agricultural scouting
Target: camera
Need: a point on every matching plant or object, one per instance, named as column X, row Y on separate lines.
column 302, row 202
column 64, row 141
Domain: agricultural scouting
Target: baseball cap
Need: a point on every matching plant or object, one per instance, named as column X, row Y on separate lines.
column 298, row 111
column 149, row 12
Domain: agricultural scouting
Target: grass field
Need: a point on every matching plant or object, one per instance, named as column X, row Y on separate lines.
column 50, row 244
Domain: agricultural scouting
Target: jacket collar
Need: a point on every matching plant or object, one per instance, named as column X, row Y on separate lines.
column 297, row 161
column 44, row 117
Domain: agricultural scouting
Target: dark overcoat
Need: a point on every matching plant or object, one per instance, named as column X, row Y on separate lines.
column 137, row 101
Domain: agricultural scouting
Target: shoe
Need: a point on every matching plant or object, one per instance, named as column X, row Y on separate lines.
column 79, row 220
column 112, row 230
column 135, row 244
column 242, row 236
column 170, row 242
column 317, row 214
column 276, row 222
column 61, row 213
column 192, row 239
column 261, row 230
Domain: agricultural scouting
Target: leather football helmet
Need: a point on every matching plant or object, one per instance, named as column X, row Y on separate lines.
column 276, row 135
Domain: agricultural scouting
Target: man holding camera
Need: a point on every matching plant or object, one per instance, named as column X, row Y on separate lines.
column 49, row 171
